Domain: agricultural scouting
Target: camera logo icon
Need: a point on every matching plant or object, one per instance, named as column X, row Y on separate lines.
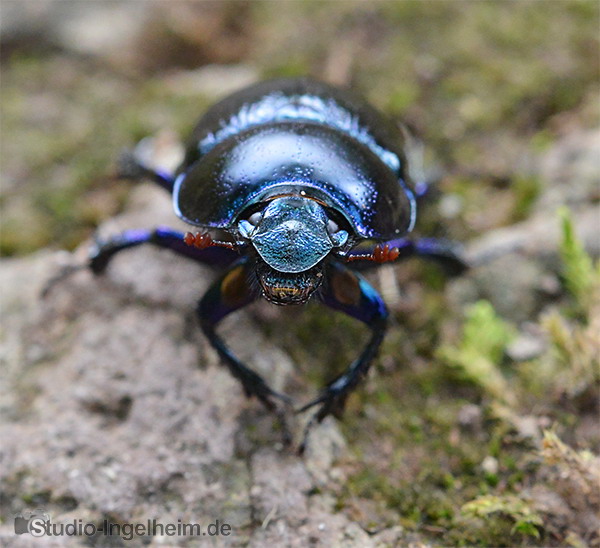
column 33, row 523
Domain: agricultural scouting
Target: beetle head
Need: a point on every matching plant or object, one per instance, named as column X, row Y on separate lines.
column 292, row 235
column 288, row 288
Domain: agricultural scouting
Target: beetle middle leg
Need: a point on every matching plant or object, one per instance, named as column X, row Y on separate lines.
column 348, row 292
column 444, row 252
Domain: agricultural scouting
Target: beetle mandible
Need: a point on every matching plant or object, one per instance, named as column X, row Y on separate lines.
column 298, row 173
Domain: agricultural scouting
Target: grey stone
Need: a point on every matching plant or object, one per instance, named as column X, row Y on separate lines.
column 122, row 410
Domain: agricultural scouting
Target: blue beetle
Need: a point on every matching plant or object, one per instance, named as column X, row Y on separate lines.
column 297, row 173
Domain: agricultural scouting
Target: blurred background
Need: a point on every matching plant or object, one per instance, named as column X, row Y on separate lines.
column 457, row 437
column 485, row 85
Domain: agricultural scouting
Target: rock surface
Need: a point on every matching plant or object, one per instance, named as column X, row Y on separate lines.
column 115, row 407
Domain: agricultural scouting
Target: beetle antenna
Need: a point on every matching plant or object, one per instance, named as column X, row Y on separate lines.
column 202, row 240
column 380, row 254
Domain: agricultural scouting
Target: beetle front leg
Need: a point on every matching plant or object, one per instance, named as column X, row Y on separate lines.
column 104, row 250
column 348, row 292
column 228, row 294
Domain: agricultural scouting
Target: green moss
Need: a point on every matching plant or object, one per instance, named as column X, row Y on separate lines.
column 542, row 140
column 525, row 521
column 402, row 97
column 477, row 356
column 291, row 68
column 579, row 272
column 526, row 190
column 434, row 480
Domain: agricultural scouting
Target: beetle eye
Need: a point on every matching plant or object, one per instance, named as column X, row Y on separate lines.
column 247, row 227
column 338, row 237
column 255, row 218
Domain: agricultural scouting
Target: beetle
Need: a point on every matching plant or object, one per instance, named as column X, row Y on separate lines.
column 310, row 184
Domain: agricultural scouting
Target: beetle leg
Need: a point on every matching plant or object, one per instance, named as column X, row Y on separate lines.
column 348, row 292
column 104, row 250
column 129, row 167
column 102, row 253
column 231, row 292
column 422, row 190
column 444, row 252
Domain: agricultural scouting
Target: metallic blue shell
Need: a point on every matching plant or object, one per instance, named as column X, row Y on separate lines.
column 296, row 137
